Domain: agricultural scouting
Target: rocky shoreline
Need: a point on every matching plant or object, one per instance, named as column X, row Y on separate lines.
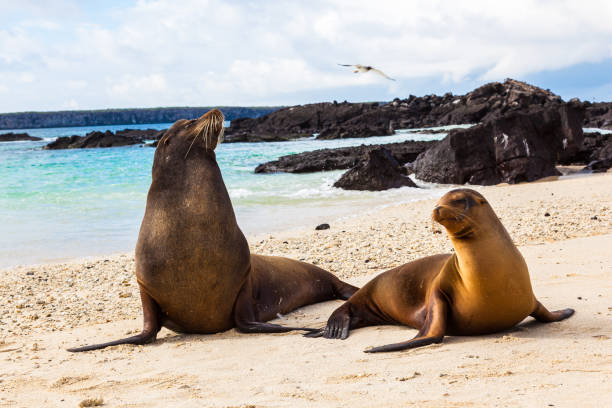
column 15, row 137
column 340, row 158
column 95, row 139
column 344, row 120
column 524, row 132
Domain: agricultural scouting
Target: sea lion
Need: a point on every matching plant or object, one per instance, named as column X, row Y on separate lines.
column 193, row 265
column 482, row 288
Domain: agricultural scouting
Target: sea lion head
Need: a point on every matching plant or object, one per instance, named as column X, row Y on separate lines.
column 461, row 212
column 205, row 132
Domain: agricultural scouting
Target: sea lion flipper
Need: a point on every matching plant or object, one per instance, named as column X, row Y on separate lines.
column 151, row 326
column 338, row 325
column 342, row 289
column 139, row 339
column 259, row 327
column 414, row 343
column 315, row 333
column 246, row 320
column 542, row 314
column 433, row 329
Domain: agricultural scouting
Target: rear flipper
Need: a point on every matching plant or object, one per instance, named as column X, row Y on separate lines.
column 258, row 327
column 542, row 314
column 343, row 290
column 278, row 285
column 246, row 319
column 151, row 326
column 338, row 325
column 432, row 331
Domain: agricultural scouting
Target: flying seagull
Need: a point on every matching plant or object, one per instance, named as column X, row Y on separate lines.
column 366, row 68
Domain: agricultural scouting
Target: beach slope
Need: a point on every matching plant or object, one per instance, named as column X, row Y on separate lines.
column 563, row 228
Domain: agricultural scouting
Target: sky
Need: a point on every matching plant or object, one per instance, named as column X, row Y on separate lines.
column 65, row 54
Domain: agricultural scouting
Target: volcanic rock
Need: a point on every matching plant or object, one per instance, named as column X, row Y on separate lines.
column 13, row 137
column 340, row 158
column 593, row 144
column 379, row 171
column 294, row 122
column 599, row 115
column 516, row 147
column 341, row 120
column 601, row 156
column 147, row 134
column 94, row 139
column 356, row 130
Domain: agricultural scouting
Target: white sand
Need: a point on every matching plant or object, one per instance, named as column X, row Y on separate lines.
column 48, row 308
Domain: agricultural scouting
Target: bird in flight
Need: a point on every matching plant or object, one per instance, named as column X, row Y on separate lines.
column 366, row 68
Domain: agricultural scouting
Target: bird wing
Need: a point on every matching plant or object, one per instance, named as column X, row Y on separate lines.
column 346, row 65
column 379, row 72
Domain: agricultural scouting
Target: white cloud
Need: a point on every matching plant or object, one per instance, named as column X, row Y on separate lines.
column 26, row 78
column 156, row 53
column 71, row 104
column 76, row 84
column 41, row 24
column 141, row 85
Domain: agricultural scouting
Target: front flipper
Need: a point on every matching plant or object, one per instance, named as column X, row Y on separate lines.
column 151, row 326
column 541, row 314
column 433, row 329
column 338, row 325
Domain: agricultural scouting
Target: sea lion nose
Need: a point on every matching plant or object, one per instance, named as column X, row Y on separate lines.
column 436, row 211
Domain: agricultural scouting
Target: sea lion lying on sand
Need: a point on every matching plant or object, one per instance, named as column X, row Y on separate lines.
column 482, row 288
column 193, row 265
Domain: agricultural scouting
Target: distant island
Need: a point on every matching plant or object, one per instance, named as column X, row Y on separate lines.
column 33, row 120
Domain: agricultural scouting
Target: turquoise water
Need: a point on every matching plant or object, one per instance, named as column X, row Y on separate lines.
column 60, row 204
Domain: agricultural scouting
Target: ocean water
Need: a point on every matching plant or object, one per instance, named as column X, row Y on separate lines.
column 61, row 204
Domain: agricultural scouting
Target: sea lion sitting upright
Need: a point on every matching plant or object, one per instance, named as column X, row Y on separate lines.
column 193, row 265
column 482, row 288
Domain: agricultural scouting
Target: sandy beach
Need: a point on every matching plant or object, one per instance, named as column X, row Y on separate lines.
column 563, row 228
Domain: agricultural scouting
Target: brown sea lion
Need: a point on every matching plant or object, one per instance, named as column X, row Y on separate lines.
column 482, row 288
column 193, row 265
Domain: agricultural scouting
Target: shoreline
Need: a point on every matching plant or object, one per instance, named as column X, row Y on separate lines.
column 429, row 192
column 51, row 307
column 51, row 295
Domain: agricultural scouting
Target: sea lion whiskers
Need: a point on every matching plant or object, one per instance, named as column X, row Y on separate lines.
column 192, row 142
column 210, row 127
column 459, row 215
